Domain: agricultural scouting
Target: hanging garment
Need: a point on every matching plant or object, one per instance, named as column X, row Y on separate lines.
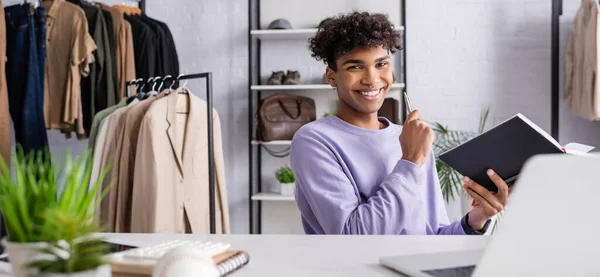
column 170, row 185
column 99, row 89
column 127, row 58
column 161, row 53
column 98, row 118
column 582, row 79
column 133, row 121
column 110, row 159
column 25, row 50
column 166, row 54
column 101, row 120
column 4, row 114
column 124, row 54
column 68, row 46
column 144, row 47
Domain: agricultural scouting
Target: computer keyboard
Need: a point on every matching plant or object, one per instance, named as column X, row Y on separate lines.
column 155, row 252
column 142, row 260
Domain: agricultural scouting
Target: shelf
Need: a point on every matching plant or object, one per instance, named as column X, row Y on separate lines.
column 306, row 87
column 270, row 196
column 289, row 34
column 274, row 142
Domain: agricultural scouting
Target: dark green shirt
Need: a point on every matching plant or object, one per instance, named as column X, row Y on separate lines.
column 99, row 89
column 112, row 44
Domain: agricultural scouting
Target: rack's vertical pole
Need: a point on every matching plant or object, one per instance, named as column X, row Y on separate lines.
column 403, row 37
column 250, row 124
column 556, row 13
column 259, row 97
column 211, row 152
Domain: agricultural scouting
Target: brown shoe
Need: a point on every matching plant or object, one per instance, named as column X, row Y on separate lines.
column 276, row 78
column 292, row 78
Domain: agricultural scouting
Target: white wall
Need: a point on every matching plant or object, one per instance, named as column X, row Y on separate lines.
column 467, row 55
column 308, row 13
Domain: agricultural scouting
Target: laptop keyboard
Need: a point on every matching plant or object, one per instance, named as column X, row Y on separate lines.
column 463, row 271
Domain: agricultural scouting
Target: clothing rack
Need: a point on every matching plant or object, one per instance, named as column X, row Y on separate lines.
column 211, row 155
column 557, row 9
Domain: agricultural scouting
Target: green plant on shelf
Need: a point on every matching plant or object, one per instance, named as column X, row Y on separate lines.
column 326, row 114
column 285, row 175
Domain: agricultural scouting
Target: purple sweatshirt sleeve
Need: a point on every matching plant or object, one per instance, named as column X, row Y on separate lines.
column 330, row 202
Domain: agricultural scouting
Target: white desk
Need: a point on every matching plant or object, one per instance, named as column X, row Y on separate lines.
column 303, row 255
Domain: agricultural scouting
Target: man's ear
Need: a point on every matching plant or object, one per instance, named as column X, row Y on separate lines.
column 331, row 77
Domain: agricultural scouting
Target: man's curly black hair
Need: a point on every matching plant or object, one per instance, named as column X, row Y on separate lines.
column 336, row 36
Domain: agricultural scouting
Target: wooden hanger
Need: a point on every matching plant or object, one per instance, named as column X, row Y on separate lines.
column 128, row 10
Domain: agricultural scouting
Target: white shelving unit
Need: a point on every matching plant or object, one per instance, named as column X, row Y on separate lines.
column 282, row 207
column 274, row 142
column 270, row 196
column 305, row 87
column 289, row 34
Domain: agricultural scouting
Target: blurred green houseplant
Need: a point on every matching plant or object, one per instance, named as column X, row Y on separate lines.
column 34, row 190
column 73, row 247
column 38, row 208
column 446, row 139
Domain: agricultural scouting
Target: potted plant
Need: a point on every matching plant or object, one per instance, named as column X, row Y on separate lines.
column 75, row 250
column 286, row 179
column 26, row 200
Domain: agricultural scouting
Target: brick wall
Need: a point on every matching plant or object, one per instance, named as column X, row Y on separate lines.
column 467, row 55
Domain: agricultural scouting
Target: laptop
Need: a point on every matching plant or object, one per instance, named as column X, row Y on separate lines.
column 550, row 227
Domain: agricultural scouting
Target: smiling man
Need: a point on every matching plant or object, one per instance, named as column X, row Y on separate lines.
column 357, row 173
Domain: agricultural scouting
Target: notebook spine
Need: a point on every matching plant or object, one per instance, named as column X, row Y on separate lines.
column 232, row 264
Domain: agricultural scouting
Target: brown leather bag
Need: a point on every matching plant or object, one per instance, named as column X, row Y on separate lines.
column 281, row 115
column 390, row 110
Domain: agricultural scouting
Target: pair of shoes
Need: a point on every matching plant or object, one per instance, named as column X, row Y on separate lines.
column 279, row 78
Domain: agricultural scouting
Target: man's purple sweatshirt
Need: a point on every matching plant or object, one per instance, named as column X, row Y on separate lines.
column 351, row 180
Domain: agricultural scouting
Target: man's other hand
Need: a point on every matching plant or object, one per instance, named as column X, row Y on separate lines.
column 487, row 203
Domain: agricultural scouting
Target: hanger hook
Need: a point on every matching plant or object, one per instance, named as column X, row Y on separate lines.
column 149, row 80
column 140, row 81
column 186, row 81
column 157, row 79
column 176, row 79
column 163, row 82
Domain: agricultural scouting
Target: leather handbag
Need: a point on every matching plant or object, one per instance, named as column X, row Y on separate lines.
column 390, row 110
column 280, row 115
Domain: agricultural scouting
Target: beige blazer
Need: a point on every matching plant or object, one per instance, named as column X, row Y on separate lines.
column 110, row 157
column 582, row 86
column 170, row 187
column 124, row 183
column 4, row 115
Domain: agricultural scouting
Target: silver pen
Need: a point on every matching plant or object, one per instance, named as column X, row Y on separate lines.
column 407, row 102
